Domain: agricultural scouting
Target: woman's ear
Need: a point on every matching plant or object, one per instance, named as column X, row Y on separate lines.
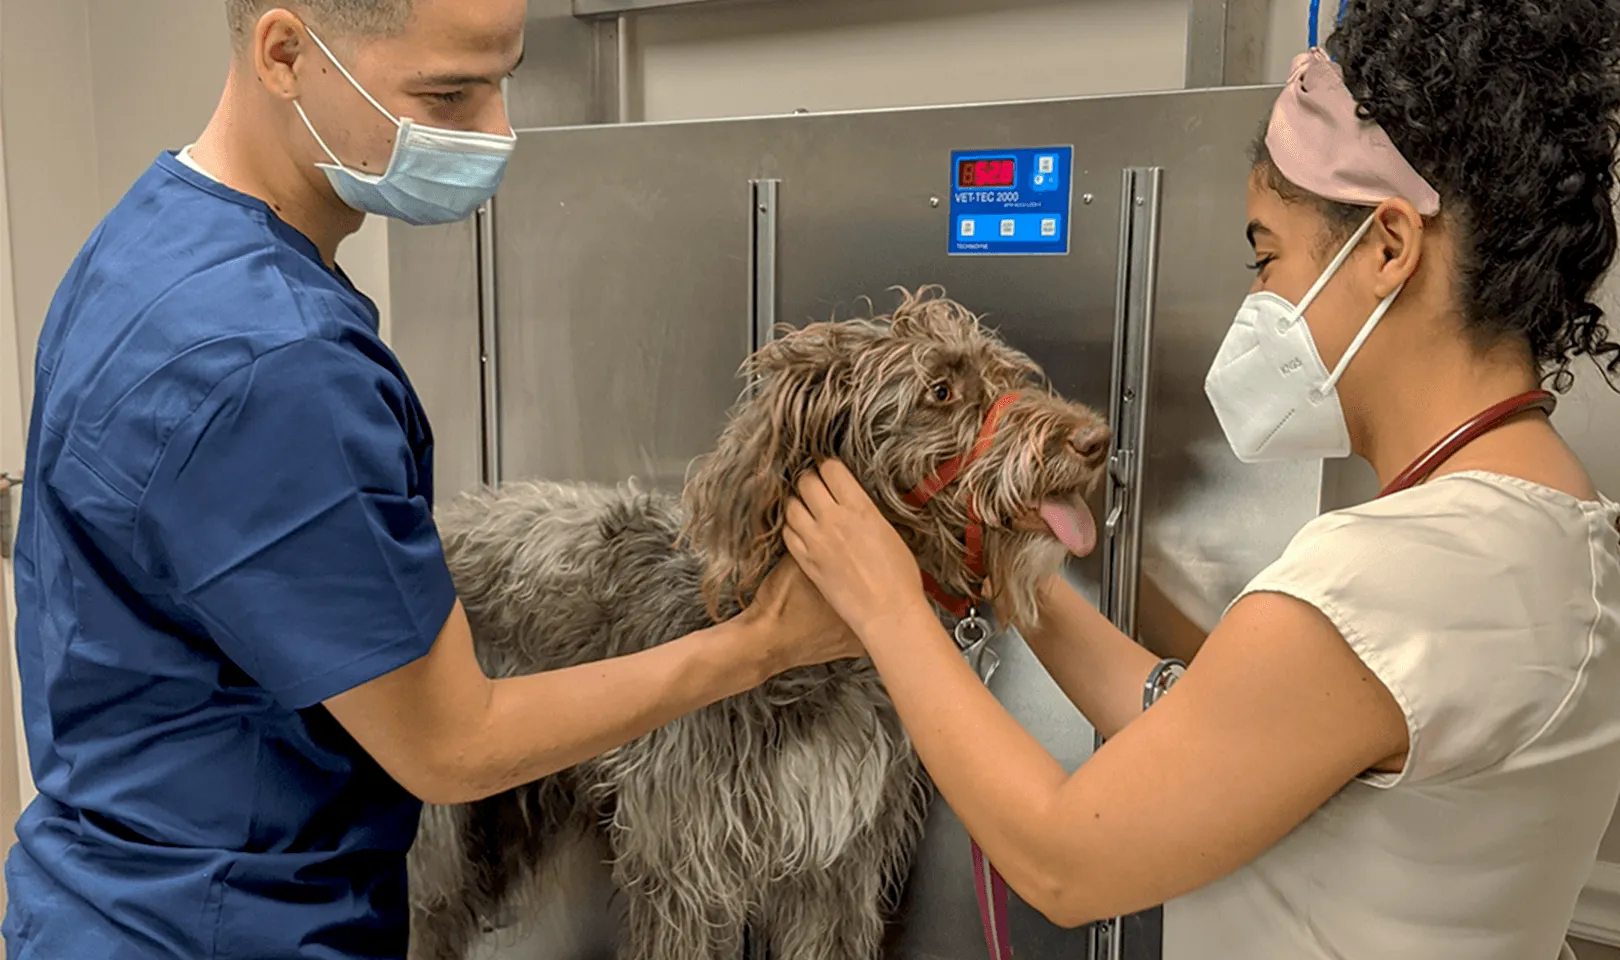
column 1398, row 235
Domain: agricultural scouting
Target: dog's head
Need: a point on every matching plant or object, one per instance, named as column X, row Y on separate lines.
column 894, row 398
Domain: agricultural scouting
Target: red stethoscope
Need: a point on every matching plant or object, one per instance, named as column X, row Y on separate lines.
column 1486, row 421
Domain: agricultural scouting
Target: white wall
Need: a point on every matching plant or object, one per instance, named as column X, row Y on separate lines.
column 856, row 54
column 850, row 54
column 51, row 163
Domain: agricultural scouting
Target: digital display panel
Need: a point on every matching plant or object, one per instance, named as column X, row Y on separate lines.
column 987, row 172
column 1011, row 201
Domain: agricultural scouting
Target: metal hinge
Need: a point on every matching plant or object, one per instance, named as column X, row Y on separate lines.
column 7, row 484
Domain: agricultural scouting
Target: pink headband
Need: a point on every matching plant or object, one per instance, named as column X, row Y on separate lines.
column 1317, row 141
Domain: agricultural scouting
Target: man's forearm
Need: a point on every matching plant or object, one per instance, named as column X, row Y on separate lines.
column 450, row 734
column 1099, row 668
column 584, row 711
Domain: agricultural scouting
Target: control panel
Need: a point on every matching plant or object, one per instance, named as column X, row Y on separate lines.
column 1011, row 202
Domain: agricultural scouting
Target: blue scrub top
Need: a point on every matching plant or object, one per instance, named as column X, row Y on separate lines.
column 226, row 522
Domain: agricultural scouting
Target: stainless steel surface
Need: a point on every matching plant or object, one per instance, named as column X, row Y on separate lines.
column 1347, row 483
column 763, row 298
column 489, row 349
column 610, row 8
column 1128, row 411
column 571, row 69
column 1206, row 43
column 627, row 307
column 433, row 288
column 1226, row 42
column 621, row 67
column 1141, row 190
column 624, row 316
column 1210, row 523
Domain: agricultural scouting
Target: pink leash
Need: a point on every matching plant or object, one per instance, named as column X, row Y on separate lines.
column 992, row 889
column 992, row 892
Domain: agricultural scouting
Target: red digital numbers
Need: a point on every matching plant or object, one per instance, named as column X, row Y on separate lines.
column 986, row 173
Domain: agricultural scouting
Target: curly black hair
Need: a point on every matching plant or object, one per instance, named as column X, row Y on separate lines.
column 1509, row 108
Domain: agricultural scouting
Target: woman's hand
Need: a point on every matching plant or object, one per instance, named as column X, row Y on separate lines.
column 794, row 624
column 850, row 551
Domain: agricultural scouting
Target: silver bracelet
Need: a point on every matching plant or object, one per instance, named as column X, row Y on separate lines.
column 1164, row 676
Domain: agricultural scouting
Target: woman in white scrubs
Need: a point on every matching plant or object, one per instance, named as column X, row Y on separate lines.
column 1403, row 738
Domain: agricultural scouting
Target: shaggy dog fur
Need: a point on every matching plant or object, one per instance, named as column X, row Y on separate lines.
column 793, row 810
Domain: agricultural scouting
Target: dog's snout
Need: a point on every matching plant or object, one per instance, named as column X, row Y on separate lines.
column 1091, row 442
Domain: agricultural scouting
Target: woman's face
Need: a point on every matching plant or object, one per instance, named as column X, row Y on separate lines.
column 1292, row 247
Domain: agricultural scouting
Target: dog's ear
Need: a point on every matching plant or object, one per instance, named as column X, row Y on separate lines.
column 796, row 413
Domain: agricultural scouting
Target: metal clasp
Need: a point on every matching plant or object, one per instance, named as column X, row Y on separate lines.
column 973, row 638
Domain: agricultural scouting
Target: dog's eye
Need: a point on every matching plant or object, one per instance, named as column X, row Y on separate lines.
column 941, row 391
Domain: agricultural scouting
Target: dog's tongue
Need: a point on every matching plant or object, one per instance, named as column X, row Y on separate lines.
column 1072, row 524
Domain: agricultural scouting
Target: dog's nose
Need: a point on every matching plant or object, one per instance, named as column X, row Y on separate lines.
column 1091, row 442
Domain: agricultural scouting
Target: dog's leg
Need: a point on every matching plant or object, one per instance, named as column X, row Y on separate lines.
column 470, row 859
column 445, row 892
column 837, row 914
column 685, row 842
column 663, row 925
column 841, row 913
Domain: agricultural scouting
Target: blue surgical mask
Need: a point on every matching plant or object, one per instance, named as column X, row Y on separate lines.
column 435, row 176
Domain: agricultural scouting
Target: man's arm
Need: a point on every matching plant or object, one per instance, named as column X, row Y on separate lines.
column 286, row 515
column 449, row 734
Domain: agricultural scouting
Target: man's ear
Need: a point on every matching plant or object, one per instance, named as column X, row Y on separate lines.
column 275, row 45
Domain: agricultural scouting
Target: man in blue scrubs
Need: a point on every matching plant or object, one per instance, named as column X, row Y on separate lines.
column 243, row 662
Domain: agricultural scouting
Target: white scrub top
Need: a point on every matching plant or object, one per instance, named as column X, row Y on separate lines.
column 1490, row 608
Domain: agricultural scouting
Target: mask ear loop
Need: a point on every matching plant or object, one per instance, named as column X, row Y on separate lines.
column 1332, row 269
column 1367, row 328
column 398, row 122
column 337, row 163
column 349, row 76
column 1361, row 338
column 311, row 127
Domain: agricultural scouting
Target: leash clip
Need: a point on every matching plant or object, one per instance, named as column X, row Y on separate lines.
column 973, row 638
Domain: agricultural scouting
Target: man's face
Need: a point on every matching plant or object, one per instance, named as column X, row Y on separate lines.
column 443, row 70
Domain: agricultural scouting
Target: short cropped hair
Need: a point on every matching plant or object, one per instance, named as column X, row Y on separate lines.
column 360, row 18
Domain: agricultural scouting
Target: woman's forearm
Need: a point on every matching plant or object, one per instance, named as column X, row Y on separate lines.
column 1096, row 666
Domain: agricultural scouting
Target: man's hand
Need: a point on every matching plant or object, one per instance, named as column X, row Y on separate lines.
column 798, row 626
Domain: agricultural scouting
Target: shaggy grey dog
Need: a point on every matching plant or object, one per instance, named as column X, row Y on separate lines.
column 791, row 811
